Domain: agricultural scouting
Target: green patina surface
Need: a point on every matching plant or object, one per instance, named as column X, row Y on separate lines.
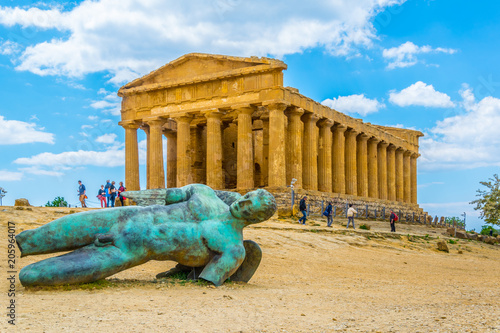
column 194, row 225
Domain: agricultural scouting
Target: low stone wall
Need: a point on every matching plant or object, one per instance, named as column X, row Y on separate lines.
column 366, row 207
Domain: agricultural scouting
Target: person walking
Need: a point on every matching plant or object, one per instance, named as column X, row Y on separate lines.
column 350, row 216
column 120, row 190
column 101, row 195
column 392, row 219
column 303, row 210
column 112, row 194
column 108, row 194
column 328, row 213
column 81, row 193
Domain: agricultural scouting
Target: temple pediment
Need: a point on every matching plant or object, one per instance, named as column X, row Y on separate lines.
column 195, row 67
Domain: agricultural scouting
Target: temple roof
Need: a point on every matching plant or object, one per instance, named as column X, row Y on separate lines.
column 197, row 67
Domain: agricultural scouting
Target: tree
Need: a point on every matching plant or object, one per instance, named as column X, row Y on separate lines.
column 489, row 201
column 57, row 202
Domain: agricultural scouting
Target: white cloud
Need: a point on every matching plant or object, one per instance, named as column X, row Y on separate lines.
column 106, row 138
column 87, row 127
column 354, row 104
column 113, row 107
column 35, row 170
column 9, row 48
column 8, row 176
column 93, row 118
column 466, row 140
column 130, row 37
column 405, row 54
column 14, row 132
column 421, row 94
column 110, row 158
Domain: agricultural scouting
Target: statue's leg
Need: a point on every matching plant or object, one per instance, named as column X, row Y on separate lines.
column 87, row 264
column 253, row 256
column 72, row 231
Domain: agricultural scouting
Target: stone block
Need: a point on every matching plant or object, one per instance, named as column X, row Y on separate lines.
column 22, row 202
column 461, row 235
column 450, row 231
column 442, row 246
column 472, row 236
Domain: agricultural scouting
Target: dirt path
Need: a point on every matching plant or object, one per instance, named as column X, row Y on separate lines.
column 311, row 279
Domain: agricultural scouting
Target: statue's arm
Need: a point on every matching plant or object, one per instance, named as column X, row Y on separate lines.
column 166, row 196
column 223, row 265
column 227, row 197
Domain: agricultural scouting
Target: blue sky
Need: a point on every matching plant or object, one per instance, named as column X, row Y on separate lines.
column 427, row 65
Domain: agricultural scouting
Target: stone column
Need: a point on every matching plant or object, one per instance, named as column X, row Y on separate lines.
column 382, row 170
column 362, row 164
column 325, row 155
column 391, row 173
column 373, row 168
column 184, row 176
column 214, row 150
column 131, row 157
column 338, row 154
column 399, row 175
column 295, row 131
column 413, row 167
column 157, row 177
column 310, row 152
column 407, row 176
column 245, row 166
column 265, row 150
column 351, row 182
column 277, row 171
column 171, row 158
column 145, row 128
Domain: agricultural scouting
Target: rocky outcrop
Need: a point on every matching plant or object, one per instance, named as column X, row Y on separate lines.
column 443, row 247
column 22, row 202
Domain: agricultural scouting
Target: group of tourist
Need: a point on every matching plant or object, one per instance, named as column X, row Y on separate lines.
column 351, row 212
column 106, row 194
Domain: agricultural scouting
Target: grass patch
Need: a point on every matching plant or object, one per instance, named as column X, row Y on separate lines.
column 451, row 241
column 364, row 227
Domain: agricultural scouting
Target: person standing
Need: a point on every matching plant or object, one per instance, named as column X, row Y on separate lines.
column 303, row 210
column 350, row 216
column 392, row 220
column 120, row 190
column 108, row 195
column 101, row 195
column 112, row 194
column 81, row 193
column 328, row 213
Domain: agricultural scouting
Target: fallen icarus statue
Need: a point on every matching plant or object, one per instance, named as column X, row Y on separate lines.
column 195, row 226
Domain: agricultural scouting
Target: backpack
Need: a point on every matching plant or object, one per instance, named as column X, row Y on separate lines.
column 395, row 217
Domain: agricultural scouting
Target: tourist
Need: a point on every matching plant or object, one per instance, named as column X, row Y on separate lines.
column 392, row 220
column 106, row 188
column 101, row 195
column 328, row 213
column 350, row 216
column 120, row 190
column 112, row 194
column 81, row 193
column 303, row 210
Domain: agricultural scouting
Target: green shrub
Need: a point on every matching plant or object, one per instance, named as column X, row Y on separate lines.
column 57, row 202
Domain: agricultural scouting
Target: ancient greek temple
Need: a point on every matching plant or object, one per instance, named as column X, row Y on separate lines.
column 231, row 124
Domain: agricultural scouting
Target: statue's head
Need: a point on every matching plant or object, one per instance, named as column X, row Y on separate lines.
column 254, row 207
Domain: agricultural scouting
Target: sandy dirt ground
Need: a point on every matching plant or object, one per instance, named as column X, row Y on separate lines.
column 311, row 279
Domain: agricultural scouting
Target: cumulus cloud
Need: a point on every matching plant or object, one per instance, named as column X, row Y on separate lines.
column 9, row 176
column 9, row 48
column 130, row 37
column 421, row 94
column 354, row 104
column 466, row 140
column 13, row 132
column 106, row 138
column 35, row 170
column 110, row 158
column 405, row 54
column 110, row 104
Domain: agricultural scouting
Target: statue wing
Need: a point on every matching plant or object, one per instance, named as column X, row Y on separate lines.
column 228, row 197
